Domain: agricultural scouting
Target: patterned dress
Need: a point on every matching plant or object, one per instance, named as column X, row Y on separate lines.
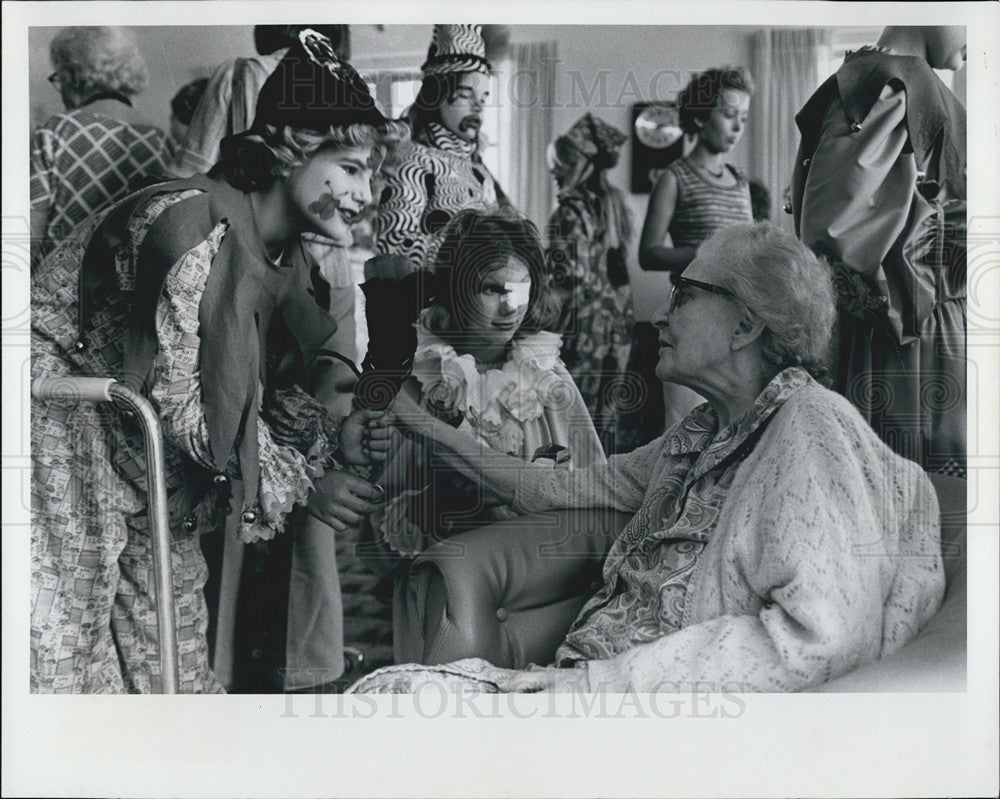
column 93, row 622
column 596, row 322
column 81, row 162
column 426, row 182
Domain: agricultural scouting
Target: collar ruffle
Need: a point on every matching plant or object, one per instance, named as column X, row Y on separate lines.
column 698, row 434
column 524, row 386
column 438, row 136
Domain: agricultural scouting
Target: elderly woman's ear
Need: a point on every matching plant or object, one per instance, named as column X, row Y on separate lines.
column 749, row 330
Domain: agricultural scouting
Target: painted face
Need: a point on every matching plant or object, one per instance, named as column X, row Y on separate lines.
column 462, row 112
column 695, row 333
column 495, row 312
column 331, row 190
column 724, row 127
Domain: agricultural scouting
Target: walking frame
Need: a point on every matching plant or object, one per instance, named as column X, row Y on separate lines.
column 100, row 389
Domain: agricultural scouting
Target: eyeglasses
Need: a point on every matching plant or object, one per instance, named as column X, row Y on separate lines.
column 681, row 291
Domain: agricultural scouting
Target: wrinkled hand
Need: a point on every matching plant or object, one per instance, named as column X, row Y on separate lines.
column 341, row 500
column 364, row 437
column 550, row 680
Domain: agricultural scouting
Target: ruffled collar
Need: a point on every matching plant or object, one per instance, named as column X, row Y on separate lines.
column 438, row 136
column 515, row 392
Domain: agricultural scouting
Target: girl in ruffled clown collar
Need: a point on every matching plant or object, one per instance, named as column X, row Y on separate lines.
column 485, row 363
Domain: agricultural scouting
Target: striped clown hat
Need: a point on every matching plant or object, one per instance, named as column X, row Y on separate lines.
column 456, row 48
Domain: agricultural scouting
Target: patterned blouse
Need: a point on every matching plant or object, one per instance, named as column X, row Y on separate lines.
column 83, row 161
column 679, row 484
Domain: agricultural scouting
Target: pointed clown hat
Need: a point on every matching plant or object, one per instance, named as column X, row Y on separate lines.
column 312, row 87
column 456, row 48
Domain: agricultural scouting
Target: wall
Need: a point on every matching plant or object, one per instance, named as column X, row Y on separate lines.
column 174, row 55
column 607, row 69
column 602, row 69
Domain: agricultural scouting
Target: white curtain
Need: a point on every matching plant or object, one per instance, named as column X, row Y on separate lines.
column 530, row 93
column 786, row 70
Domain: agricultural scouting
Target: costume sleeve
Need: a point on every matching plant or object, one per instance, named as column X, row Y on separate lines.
column 199, row 150
column 407, row 184
column 859, row 186
column 821, row 550
column 286, row 471
column 619, row 483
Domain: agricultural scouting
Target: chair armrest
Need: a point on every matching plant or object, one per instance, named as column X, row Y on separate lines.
column 507, row 592
column 936, row 659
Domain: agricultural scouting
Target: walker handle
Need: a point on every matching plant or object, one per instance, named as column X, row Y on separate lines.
column 88, row 389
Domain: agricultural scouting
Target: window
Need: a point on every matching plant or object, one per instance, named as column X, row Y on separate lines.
column 844, row 40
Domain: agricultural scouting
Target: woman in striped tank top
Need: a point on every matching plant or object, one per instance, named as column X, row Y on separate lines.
column 700, row 193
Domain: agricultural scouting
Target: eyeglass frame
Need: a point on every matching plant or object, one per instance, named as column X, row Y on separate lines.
column 678, row 281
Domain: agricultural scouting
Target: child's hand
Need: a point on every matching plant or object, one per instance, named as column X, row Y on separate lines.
column 364, row 437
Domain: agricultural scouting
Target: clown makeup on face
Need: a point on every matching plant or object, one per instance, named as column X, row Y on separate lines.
column 332, row 190
column 461, row 112
column 494, row 313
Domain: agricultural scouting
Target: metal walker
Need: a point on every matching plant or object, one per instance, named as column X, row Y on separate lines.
column 101, row 389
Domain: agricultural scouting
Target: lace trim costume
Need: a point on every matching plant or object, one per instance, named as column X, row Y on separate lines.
column 523, row 407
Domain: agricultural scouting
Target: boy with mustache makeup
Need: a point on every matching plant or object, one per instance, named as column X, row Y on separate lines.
column 439, row 173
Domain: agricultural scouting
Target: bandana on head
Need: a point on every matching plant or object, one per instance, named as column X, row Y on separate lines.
column 592, row 135
column 312, row 87
column 456, row 48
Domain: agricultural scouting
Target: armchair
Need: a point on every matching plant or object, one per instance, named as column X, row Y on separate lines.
column 509, row 592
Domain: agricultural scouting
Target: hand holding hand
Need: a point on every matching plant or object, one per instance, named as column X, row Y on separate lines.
column 341, row 499
column 364, row 437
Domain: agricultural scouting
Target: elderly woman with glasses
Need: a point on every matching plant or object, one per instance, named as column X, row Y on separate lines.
column 86, row 158
column 776, row 542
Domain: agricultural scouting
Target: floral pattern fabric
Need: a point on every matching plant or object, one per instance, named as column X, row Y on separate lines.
column 597, row 322
column 649, row 567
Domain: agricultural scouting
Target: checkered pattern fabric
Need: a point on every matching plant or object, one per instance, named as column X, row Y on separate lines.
column 82, row 162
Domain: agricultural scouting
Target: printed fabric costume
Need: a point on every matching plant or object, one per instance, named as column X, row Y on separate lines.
column 85, row 159
column 436, row 174
column 522, row 406
column 780, row 552
column 173, row 292
column 588, row 262
column 879, row 190
column 226, row 109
